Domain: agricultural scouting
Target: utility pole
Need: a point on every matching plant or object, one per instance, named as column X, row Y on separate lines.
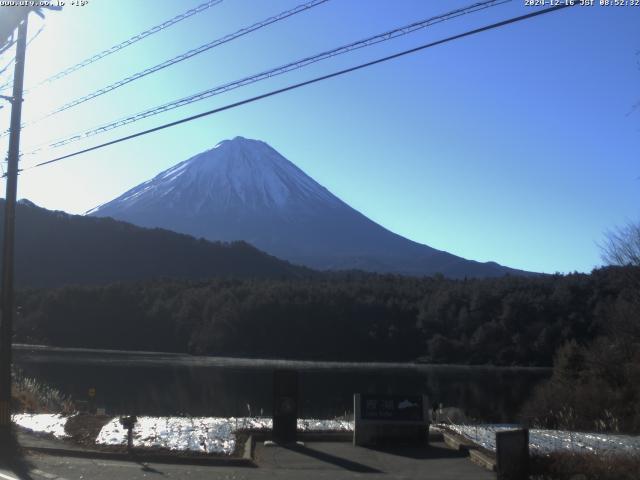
column 7, row 300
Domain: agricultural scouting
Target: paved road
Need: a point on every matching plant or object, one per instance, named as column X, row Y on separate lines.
column 316, row 460
column 46, row 467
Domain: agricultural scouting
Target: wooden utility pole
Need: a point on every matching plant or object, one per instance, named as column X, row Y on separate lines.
column 7, row 301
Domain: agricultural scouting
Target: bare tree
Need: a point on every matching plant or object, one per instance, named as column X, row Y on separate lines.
column 622, row 245
column 636, row 106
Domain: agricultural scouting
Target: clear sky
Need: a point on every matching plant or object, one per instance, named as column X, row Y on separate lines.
column 515, row 145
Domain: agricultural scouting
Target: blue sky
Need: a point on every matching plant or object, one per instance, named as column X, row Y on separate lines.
column 515, row 145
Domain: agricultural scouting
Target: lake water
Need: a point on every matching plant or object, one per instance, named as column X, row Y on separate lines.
column 167, row 384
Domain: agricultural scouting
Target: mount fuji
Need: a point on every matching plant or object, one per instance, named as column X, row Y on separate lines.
column 245, row 190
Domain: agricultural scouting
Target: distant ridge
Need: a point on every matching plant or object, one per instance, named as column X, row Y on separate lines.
column 54, row 248
column 245, row 190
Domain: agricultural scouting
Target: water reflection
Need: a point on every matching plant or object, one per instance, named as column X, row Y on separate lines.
column 179, row 386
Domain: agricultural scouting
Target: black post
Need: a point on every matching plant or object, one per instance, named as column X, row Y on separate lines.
column 6, row 307
column 512, row 454
column 130, row 438
column 285, row 406
column 129, row 423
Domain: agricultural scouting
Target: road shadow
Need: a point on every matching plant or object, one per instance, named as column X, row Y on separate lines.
column 418, row 452
column 332, row 459
column 13, row 458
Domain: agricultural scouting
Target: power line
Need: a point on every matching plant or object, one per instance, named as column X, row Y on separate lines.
column 136, row 38
column 244, row 31
column 191, row 53
column 382, row 37
column 309, row 82
column 4, row 69
column 7, row 46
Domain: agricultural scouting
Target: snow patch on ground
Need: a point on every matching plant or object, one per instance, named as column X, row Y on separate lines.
column 549, row 441
column 200, row 434
column 42, row 423
column 314, row 425
column 192, row 434
column 217, row 434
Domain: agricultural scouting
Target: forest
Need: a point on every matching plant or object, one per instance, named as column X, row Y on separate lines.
column 346, row 316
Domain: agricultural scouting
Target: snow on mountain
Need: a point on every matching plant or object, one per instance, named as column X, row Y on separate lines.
column 243, row 171
column 245, row 190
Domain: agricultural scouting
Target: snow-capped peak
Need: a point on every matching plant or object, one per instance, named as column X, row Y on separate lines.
column 237, row 171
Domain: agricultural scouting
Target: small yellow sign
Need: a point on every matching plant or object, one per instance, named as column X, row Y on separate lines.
column 92, row 392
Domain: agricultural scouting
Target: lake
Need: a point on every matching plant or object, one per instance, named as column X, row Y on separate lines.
column 172, row 384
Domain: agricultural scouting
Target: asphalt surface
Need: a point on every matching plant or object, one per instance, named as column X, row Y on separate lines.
column 314, row 460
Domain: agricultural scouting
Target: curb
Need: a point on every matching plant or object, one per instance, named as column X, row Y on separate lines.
column 151, row 457
column 141, row 455
column 456, row 442
column 484, row 460
column 476, row 454
column 248, row 449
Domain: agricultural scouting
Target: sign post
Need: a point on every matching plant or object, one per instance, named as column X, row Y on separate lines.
column 92, row 400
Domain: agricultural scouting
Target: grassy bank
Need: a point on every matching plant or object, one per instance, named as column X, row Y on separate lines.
column 32, row 396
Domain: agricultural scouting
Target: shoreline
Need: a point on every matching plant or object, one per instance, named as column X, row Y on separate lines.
column 150, row 358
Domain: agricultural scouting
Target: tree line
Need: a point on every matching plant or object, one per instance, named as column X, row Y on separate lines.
column 346, row 316
column 596, row 384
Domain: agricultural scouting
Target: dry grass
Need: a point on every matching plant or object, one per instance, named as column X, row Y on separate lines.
column 586, row 466
column 30, row 396
column 84, row 428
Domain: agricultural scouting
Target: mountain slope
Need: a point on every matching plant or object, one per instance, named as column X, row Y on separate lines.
column 55, row 248
column 245, row 190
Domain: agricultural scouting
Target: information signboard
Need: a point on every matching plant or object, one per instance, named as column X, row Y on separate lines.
column 381, row 418
column 392, row 407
